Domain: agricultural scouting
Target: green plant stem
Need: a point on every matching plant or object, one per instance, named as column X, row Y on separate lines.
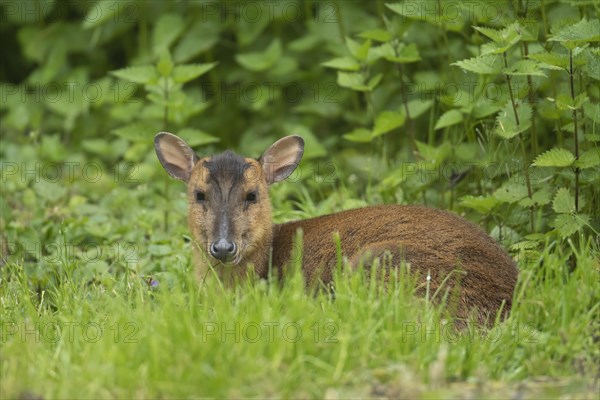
column 166, row 129
column 340, row 21
column 409, row 121
column 523, row 151
column 575, row 130
column 510, row 92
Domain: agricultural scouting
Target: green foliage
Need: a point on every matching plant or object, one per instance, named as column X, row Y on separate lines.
column 491, row 115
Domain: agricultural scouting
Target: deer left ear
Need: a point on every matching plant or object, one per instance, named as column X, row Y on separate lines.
column 175, row 155
column 282, row 158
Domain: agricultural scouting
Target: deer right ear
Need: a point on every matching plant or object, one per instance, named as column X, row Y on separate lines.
column 282, row 158
column 176, row 157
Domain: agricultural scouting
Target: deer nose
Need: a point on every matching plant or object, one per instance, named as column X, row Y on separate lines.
column 223, row 250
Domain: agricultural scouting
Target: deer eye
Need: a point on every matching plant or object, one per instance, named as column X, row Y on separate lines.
column 200, row 196
column 251, row 197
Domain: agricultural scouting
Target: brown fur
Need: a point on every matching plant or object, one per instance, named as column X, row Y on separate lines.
column 432, row 242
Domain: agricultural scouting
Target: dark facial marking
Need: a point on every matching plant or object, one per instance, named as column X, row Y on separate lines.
column 226, row 167
column 226, row 174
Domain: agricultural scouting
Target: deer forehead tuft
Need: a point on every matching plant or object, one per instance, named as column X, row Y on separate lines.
column 226, row 167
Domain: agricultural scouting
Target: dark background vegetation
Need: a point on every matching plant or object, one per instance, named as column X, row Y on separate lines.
column 487, row 108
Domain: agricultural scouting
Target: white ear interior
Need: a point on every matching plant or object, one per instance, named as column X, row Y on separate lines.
column 282, row 158
column 175, row 155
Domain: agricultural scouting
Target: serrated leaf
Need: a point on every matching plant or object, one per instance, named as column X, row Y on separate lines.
column 374, row 81
column 435, row 154
column 511, row 192
column 591, row 67
column 568, row 224
column 136, row 132
column 449, row 118
column 592, row 111
column 387, row 121
column 379, row 35
column 582, row 31
column 358, row 50
column 102, row 11
column 196, row 137
column 358, row 135
column 483, row 65
column 493, row 34
column 166, row 30
column 555, row 61
column 144, row 74
column 481, row 204
column 165, row 64
column 556, row 157
column 563, row 202
column 417, row 107
column 588, row 159
column 506, row 123
column 261, row 61
column 524, row 67
column 503, row 39
column 403, row 55
column 352, row 80
column 343, row 63
column 542, row 197
column 188, row 72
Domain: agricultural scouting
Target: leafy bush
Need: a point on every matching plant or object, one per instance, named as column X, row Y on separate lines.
column 487, row 108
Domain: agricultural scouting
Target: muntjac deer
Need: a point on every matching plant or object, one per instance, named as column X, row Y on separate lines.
column 230, row 221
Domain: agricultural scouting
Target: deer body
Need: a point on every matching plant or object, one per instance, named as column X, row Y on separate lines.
column 230, row 222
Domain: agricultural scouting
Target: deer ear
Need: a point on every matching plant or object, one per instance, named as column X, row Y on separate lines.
column 176, row 157
column 282, row 158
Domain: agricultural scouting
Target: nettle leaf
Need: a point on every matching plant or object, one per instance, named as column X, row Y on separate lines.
column 387, row 121
column 188, row 72
column 165, row 64
column 379, row 35
column 418, row 107
column 435, row 154
column 542, row 196
column 102, row 11
column 591, row 67
column 493, row 34
column 568, row 224
column 449, row 118
column 524, row 67
column 582, row 31
column 483, row 65
column 166, row 30
column 563, row 202
column 403, row 55
column 352, row 80
column 359, row 135
column 592, row 111
column 556, row 157
column 196, row 137
column 506, row 123
column 588, row 159
column 343, row 63
column 446, row 20
column 503, row 39
column 261, row 61
column 145, row 74
column 374, row 81
column 481, row 204
column 551, row 60
column 511, row 192
column 358, row 50
column 136, row 132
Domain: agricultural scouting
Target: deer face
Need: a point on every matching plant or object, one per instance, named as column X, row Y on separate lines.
column 229, row 207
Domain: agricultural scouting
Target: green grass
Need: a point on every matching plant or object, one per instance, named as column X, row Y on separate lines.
column 181, row 340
